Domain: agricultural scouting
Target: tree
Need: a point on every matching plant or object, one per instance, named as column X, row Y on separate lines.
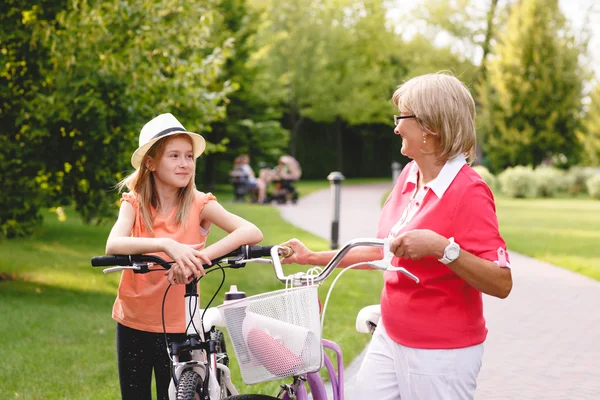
column 97, row 72
column 324, row 60
column 590, row 134
column 252, row 124
column 22, row 154
column 536, row 88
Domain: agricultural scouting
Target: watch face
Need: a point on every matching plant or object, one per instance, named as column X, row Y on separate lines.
column 452, row 252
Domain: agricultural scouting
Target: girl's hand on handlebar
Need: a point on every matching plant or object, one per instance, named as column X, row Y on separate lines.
column 418, row 243
column 188, row 256
column 179, row 275
column 300, row 253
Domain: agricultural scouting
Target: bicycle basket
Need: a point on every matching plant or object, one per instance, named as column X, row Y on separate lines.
column 277, row 334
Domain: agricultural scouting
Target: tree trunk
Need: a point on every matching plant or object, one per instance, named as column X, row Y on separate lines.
column 295, row 122
column 488, row 38
column 339, row 138
column 209, row 172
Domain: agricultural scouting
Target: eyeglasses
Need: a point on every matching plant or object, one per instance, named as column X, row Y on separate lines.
column 397, row 118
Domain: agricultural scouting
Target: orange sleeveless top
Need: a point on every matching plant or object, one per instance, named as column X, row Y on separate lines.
column 139, row 299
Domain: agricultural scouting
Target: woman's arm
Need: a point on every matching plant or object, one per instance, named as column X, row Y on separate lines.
column 485, row 276
column 303, row 256
column 240, row 231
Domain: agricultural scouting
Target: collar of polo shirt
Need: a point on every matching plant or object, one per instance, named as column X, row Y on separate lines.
column 441, row 183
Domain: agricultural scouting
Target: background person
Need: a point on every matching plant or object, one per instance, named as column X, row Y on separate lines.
column 163, row 214
column 442, row 220
column 287, row 169
column 244, row 180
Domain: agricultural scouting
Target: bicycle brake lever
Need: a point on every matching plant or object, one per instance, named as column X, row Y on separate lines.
column 120, row 268
column 385, row 264
column 405, row 272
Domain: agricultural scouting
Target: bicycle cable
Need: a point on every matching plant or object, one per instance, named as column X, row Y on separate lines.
column 214, row 295
column 220, row 267
column 193, row 312
column 331, row 288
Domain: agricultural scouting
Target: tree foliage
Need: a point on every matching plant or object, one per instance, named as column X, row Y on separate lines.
column 104, row 69
column 535, row 88
column 590, row 132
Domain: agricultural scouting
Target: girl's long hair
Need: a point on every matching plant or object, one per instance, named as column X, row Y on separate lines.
column 141, row 183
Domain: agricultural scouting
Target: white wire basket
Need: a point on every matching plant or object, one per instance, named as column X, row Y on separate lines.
column 277, row 334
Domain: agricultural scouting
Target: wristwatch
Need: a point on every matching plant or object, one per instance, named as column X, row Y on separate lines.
column 451, row 252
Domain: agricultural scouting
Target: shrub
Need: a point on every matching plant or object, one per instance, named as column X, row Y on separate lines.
column 518, row 181
column 593, row 186
column 549, row 181
column 487, row 176
column 576, row 180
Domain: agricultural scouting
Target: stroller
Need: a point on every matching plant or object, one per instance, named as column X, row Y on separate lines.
column 288, row 171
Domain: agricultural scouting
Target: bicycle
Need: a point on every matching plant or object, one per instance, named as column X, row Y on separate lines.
column 267, row 344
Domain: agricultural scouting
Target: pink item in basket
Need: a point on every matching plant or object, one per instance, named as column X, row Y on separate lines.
column 274, row 356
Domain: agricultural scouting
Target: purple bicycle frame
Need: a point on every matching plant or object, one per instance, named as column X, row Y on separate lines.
column 317, row 387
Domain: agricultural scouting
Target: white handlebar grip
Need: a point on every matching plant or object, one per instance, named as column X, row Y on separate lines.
column 387, row 252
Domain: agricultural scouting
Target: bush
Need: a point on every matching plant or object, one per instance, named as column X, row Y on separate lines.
column 518, row 181
column 487, row 176
column 593, row 186
column 549, row 181
column 576, row 180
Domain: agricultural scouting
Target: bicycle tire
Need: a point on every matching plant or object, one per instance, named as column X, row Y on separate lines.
column 190, row 385
column 221, row 349
column 252, row 397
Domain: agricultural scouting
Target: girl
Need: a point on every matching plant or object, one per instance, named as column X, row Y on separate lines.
column 163, row 214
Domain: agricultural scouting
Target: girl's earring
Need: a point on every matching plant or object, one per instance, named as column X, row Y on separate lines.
column 424, row 138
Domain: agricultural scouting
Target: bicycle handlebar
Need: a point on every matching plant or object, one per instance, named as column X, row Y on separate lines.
column 247, row 254
column 383, row 264
column 140, row 263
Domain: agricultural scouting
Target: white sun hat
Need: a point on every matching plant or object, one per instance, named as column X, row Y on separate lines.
column 159, row 127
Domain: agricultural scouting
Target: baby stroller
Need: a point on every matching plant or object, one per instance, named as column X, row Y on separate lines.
column 288, row 171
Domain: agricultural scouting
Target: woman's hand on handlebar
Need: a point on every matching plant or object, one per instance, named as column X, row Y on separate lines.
column 187, row 256
column 300, row 253
column 418, row 243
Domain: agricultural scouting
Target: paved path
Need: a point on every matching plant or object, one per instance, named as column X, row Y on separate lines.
column 544, row 339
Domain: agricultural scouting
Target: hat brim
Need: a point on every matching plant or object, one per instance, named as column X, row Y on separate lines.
column 198, row 143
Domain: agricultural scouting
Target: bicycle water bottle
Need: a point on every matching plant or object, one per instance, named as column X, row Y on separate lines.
column 234, row 312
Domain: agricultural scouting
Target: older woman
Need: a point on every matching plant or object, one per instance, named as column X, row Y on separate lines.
column 442, row 220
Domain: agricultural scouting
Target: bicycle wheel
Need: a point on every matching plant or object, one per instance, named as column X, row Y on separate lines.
column 223, row 359
column 251, row 397
column 190, row 386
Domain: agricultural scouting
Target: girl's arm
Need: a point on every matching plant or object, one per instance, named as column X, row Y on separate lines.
column 120, row 241
column 240, row 231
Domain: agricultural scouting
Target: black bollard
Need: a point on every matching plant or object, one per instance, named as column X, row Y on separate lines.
column 335, row 179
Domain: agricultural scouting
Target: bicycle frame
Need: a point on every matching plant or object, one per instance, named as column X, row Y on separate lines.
column 198, row 345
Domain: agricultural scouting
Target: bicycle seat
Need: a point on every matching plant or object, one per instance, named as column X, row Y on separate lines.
column 368, row 318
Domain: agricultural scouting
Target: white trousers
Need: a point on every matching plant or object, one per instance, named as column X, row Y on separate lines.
column 391, row 371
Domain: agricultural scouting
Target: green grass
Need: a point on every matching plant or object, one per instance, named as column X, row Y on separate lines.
column 55, row 327
column 563, row 232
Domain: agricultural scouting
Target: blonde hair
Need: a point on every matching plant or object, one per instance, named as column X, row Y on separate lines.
column 141, row 182
column 445, row 108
